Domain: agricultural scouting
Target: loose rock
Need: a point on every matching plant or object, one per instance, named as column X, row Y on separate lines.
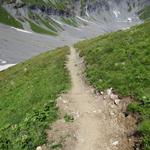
column 117, row 101
column 113, row 96
column 115, row 143
column 39, row 148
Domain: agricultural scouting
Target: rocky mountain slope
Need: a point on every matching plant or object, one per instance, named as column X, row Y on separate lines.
column 66, row 22
column 43, row 12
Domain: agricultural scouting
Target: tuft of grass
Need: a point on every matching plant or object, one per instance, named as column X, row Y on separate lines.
column 68, row 118
column 48, row 24
column 70, row 21
column 7, row 19
column 121, row 60
column 56, row 146
column 27, row 99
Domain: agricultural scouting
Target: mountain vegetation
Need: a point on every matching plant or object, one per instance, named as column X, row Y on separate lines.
column 121, row 60
column 27, row 99
column 6, row 18
column 144, row 14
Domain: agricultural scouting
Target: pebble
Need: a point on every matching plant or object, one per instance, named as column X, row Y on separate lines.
column 64, row 101
column 39, row 148
column 94, row 111
column 104, row 97
column 115, row 143
column 101, row 92
column 117, row 101
column 112, row 113
column 113, row 96
column 109, row 91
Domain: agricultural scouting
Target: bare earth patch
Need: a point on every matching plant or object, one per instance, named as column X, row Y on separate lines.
column 99, row 119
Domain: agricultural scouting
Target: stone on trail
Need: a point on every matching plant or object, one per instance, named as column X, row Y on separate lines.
column 113, row 96
column 109, row 91
column 117, row 101
column 39, row 148
column 115, row 143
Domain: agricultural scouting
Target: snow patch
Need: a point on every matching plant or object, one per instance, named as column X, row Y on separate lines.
column 127, row 28
column 87, row 12
column 57, row 21
column 3, row 61
column 20, row 30
column 117, row 13
column 4, row 67
column 129, row 19
column 82, row 19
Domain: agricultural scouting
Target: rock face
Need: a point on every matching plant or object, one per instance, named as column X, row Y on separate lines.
column 72, row 20
column 80, row 7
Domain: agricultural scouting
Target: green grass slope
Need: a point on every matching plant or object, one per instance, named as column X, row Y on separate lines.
column 45, row 21
column 27, row 99
column 144, row 14
column 38, row 29
column 121, row 60
column 58, row 4
column 70, row 21
column 7, row 19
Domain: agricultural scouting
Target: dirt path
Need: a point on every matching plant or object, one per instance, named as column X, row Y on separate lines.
column 99, row 123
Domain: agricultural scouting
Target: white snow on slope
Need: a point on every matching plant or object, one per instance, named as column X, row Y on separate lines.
column 57, row 21
column 3, row 61
column 4, row 67
column 87, row 12
column 117, row 13
column 82, row 19
column 21, row 30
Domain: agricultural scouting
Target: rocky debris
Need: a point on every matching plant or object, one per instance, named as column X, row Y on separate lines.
column 112, row 96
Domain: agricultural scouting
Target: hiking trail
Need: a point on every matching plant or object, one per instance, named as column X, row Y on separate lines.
column 99, row 123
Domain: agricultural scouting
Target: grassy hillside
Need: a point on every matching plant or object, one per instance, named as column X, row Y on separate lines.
column 121, row 60
column 144, row 14
column 70, row 21
column 47, row 22
column 7, row 19
column 37, row 28
column 27, row 99
column 58, row 4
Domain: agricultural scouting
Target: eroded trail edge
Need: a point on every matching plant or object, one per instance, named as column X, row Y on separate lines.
column 99, row 122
